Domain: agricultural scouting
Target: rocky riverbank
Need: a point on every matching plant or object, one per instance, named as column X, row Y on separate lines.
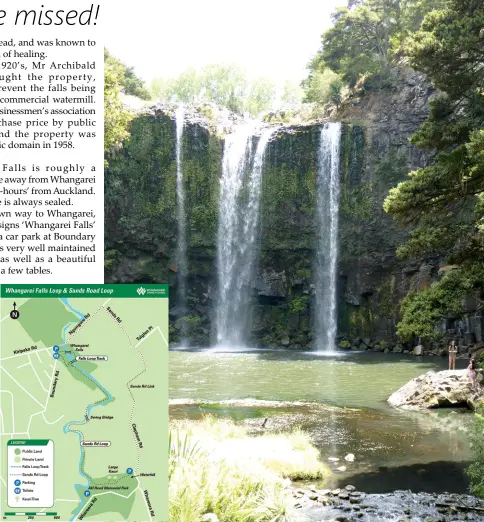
column 436, row 348
column 446, row 389
column 349, row 505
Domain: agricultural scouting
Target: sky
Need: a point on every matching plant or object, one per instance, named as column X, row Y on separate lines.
column 266, row 37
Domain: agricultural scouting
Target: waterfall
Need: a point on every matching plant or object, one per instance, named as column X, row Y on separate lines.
column 327, row 240
column 181, row 251
column 237, row 232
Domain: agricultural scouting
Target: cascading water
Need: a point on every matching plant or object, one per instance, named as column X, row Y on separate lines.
column 237, row 232
column 327, row 240
column 181, row 251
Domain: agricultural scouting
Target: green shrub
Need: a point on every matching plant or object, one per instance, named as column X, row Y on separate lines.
column 345, row 344
column 111, row 259
column 324, row 87
column 476, row 470
column 298, row 304
column 421, row 311
column 215, row 467
column 192, row 319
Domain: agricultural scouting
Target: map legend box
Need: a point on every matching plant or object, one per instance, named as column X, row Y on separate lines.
column 30, row 473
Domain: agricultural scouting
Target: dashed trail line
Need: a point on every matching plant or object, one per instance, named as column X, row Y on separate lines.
column 133, row 406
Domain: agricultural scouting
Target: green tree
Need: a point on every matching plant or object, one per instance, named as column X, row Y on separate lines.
column 224, row 84
column 323, row 87
column 360, row 41
column 413, row 13
column 365, row 40
column 116, row 117
column 131, row 84
column 335, row 93
column 187, row 87
column 261, row 95
column 476, row 470
column 423, row 310
column 134, row 85
column 292, row 94
column 444, row 201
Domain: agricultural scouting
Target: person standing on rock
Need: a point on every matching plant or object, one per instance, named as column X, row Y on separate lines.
column 472, row 370
column 452, row 355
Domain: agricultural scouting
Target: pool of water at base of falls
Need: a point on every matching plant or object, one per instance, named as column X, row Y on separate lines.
column 341, row 401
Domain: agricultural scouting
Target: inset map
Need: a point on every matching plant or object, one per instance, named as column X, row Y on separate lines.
column 84, row 402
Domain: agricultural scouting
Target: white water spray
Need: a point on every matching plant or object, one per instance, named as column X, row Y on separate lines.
column 327, row 240
column 237, row 232
column 181, row 252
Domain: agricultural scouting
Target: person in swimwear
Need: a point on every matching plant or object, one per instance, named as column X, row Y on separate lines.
column 472, row 371
column 452, row 355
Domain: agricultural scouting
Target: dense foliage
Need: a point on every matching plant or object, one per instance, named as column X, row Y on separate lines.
column 224, row 84
column 445, row 201
column 324, row 87
column 118, row 78
column 364, row 43
column 116, row 117
column 423, row 310
column 476, row 470
column 131, row 84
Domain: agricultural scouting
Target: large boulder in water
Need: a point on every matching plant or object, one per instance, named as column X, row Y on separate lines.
column 446, row 389
column 418, row 350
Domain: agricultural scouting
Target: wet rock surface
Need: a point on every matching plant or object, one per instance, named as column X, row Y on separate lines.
column 349, row 505
column 450, row 388
column 206, row 115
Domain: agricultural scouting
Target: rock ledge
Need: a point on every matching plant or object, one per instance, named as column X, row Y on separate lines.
column 444, row 389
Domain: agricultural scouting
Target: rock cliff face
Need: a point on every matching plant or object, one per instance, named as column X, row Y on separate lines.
column 140, row 187
column 372, row 280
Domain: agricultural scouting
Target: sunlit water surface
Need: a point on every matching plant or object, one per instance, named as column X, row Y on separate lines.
column 341, row 401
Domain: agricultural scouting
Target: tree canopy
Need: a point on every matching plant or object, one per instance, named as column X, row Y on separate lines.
column 130, row 82
column 116, row 117
column 223, row 84
column 359, row 43
column 365, row 40
column 324, row 87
